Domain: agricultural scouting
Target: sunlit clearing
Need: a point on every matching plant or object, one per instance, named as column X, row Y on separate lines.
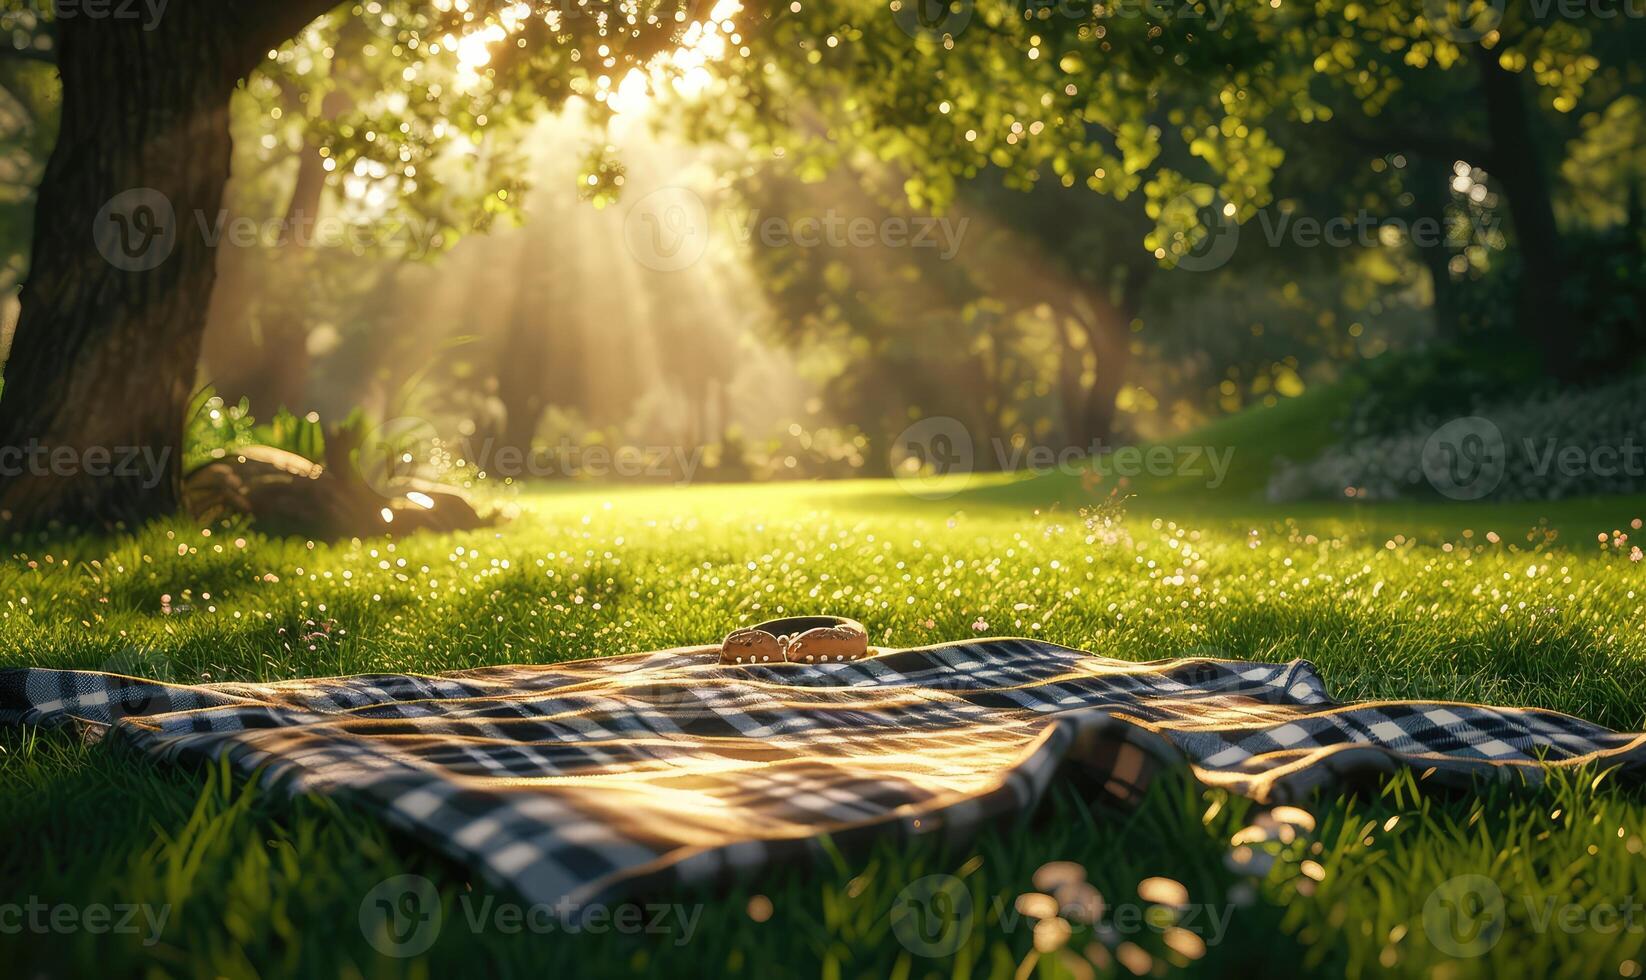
column 667, row 356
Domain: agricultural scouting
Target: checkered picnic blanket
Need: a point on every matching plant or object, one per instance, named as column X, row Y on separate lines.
column 575, row 782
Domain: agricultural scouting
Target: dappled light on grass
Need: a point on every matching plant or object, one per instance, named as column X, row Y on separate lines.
column 1485, row 612
column 1476, row 607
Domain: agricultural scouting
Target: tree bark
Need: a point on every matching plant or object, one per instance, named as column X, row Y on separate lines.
column 1071, row 382
column 105, row 353
column 1433, row 197
column 1517, row 163
column 1114, row 356
column 1108, row 324
column 1105, row 391
column 522, row 358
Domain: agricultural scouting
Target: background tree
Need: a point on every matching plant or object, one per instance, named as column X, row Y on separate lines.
column 149, row 110
column 1179, row 117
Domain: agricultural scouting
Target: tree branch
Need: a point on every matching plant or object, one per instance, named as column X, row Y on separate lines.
column 268, row 24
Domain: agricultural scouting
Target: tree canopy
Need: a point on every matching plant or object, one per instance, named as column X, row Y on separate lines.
column 401, row 118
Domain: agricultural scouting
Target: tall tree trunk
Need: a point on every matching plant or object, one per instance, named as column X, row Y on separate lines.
column 1101, row 407
column 1433, row 198
column 1071, row 380
column 1108, row 323
column 105, row 354
column 104, row 357
column 1114, row 358
column 523, row 357
column 1517, row 163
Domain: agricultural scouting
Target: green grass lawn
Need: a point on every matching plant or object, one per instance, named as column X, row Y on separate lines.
column 1515, row 606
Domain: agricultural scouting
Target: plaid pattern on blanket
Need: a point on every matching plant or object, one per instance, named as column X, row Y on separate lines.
column 575, row 782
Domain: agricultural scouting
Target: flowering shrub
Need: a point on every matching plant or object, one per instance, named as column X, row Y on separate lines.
column 1545, row 447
